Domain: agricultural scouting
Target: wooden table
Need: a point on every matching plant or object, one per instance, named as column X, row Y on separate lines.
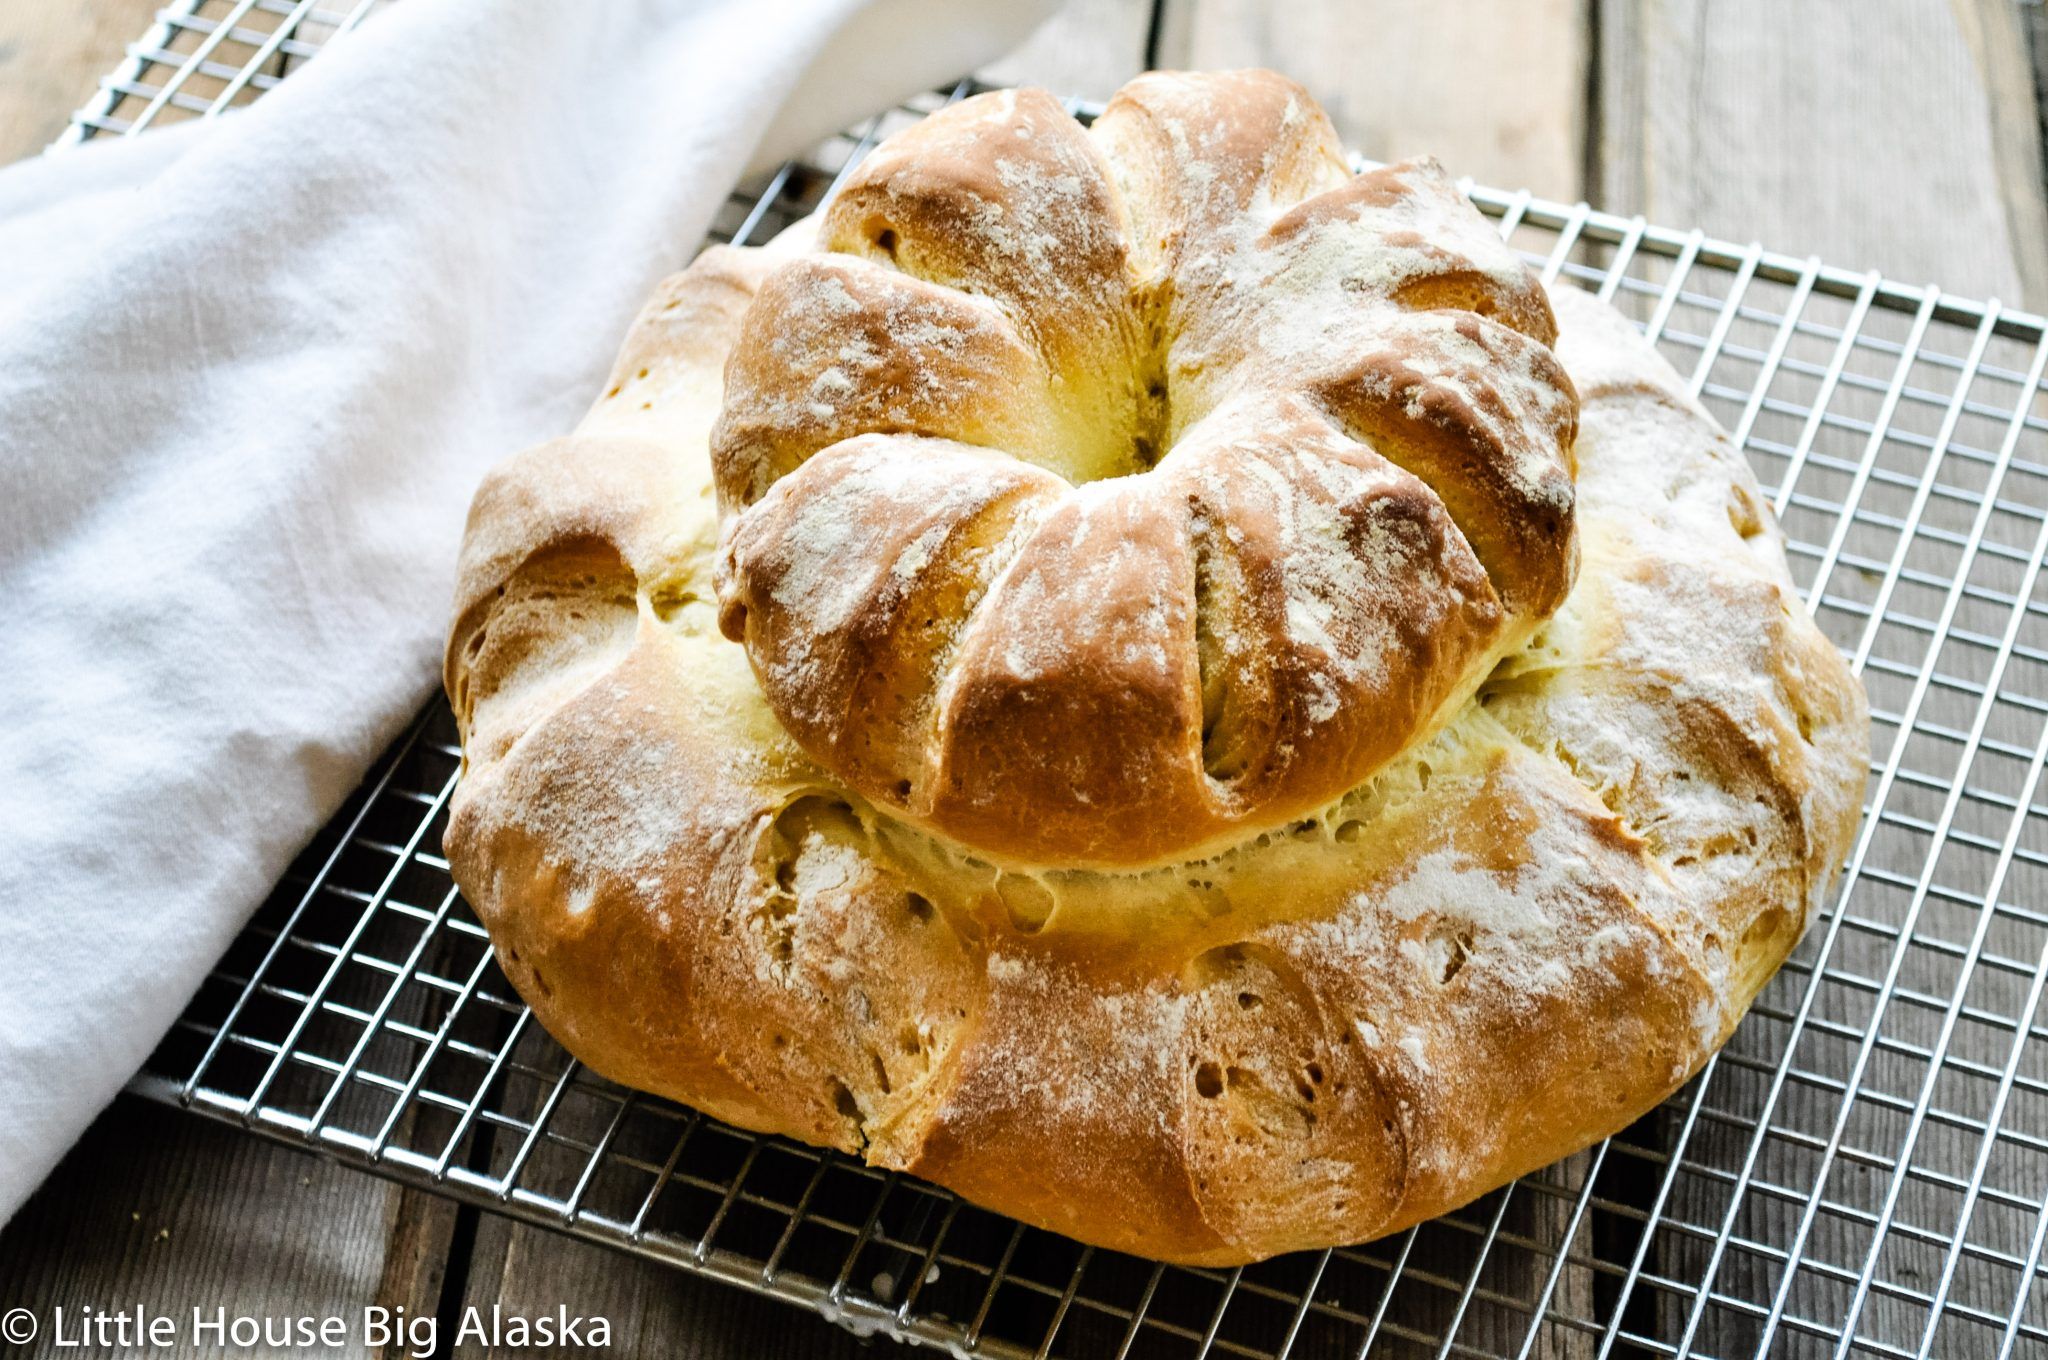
column 1898, row 134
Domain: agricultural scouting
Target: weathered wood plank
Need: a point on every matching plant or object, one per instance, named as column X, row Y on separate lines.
column 654, row 1310
column 50, row 58
column 1087, row 49
column 1892, row 134
column 158, row 1208
column 419, row 1240
column 1901, row 136
column 1995, row 32
column 1496, row 89
column 2034, row 23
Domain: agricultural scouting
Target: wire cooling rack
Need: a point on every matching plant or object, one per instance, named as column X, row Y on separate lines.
column 203, row 57
column 1863, row 1170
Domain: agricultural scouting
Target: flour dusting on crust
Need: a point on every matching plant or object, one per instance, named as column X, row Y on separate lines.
column 1203, row 363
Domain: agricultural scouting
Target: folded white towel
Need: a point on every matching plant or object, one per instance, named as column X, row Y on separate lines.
column 250, row 372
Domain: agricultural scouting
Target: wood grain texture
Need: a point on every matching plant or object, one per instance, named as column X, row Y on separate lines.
column 1496, row 89
column 655, row 1311
column 2034, row 23
column 1087, row 49
column 157, row 1208
column 51, row 58
column 1863, row 131
column 1996, row 34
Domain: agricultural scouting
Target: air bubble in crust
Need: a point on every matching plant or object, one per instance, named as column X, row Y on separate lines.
column 1028, row 902
column 778, row 852
column 1449, row 947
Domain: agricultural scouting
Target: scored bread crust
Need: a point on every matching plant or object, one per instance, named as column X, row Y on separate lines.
column 1163, row 477
column 1512, row 940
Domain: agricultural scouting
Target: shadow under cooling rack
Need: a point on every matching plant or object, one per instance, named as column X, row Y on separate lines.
column 1862, row 1170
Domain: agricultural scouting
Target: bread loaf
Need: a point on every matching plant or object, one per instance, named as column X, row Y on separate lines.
column 1150, row 681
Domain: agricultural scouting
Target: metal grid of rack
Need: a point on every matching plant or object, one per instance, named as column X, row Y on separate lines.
column 1863, row 1170
column 203, row 57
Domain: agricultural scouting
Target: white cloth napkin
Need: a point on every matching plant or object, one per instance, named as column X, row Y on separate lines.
column 250, row 373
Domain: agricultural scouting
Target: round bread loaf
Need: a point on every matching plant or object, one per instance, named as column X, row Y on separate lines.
column 1203, row 1020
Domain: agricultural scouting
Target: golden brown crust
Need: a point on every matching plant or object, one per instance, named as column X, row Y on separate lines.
column 1513, row 939
column 1185, row 330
